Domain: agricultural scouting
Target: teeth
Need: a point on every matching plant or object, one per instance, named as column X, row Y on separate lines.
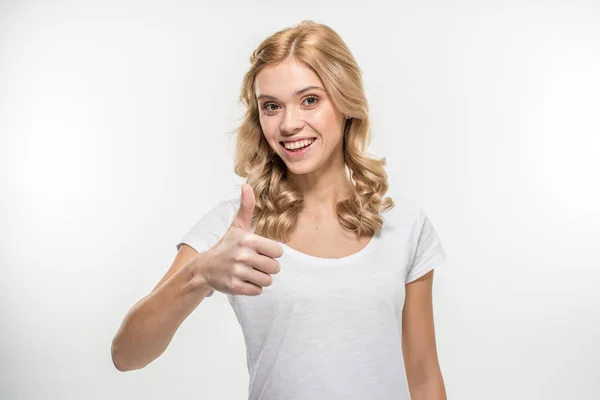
column 298, row 144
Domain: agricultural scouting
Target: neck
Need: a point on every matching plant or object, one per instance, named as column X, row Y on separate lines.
column 322, row 193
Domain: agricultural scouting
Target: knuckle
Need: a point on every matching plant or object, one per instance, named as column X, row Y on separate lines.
column 246, row 241
column 238, row 269
column 234, row 286
column 241, row 257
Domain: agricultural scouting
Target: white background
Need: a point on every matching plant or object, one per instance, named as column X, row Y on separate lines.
column 117, row 120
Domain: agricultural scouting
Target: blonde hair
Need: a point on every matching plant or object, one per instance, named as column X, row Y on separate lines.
column 277, row 204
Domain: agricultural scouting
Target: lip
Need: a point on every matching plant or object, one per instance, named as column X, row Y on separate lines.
column 300, row 153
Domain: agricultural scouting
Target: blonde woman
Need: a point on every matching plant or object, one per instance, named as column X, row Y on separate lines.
column 330, row 281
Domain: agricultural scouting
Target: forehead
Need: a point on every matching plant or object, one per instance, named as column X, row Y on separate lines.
column 283, row 79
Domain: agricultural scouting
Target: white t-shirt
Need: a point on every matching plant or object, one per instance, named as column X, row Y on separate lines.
column 331, row 328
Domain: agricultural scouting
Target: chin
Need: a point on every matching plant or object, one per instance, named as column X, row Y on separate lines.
column 300, row 169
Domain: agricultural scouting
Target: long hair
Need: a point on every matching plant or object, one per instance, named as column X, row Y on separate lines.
column 278, row 204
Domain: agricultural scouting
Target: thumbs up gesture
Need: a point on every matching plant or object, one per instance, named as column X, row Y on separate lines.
column 241, row 262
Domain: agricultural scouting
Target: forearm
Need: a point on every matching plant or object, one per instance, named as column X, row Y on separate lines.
column 430, row 389
column 149, row 326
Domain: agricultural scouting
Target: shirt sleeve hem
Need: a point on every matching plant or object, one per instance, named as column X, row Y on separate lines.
column 417, row 274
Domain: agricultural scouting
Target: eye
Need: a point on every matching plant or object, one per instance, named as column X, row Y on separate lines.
column 266, row 106
column 315, row 98
column 270, row 107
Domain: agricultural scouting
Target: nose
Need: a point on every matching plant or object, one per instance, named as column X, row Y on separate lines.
column 290, row 123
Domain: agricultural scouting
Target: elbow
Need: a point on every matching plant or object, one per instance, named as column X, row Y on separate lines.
column 123, row 362
column 120, row 352
column 114, row 355
column 117, row 358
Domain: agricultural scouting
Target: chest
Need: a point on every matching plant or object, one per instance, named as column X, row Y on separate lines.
column 325, row 239
column 310, row 300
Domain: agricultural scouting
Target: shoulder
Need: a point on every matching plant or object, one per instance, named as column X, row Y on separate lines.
column 225, row 210
column 211, row 225
column 406, row 213
column 225, row 206
column 231, row 204
column 219, row 213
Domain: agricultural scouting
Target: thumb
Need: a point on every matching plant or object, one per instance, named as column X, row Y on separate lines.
column 244, row 215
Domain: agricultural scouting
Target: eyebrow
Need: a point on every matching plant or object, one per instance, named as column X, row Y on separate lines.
column 297, row 93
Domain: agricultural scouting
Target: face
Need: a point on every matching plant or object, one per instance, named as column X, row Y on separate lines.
column 293, row 104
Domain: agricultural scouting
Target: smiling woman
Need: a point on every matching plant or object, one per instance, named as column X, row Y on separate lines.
column 332, row 324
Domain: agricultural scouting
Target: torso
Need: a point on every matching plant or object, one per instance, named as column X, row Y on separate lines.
column 325, row 238
column 310, row 333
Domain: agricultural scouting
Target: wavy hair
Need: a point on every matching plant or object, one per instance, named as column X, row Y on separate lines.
column 278, row 204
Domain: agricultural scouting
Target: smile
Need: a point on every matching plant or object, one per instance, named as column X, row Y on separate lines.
column 298, row 148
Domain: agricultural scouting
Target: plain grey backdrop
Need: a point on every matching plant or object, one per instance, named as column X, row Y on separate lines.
column 116, row 123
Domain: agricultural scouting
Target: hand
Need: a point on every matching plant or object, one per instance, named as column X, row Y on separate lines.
column 241, row 262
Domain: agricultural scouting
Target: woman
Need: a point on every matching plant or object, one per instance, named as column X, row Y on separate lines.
column 330, row 281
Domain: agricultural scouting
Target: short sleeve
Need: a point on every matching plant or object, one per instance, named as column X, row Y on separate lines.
column 207, row 231
column 429, row 252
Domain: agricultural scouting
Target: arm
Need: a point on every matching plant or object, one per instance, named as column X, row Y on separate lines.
column 150, row 324
column 423, row 372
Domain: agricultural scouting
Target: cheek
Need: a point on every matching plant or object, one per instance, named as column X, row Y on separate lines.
column 271, row 134
column 324, row 121
column 269, row 127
